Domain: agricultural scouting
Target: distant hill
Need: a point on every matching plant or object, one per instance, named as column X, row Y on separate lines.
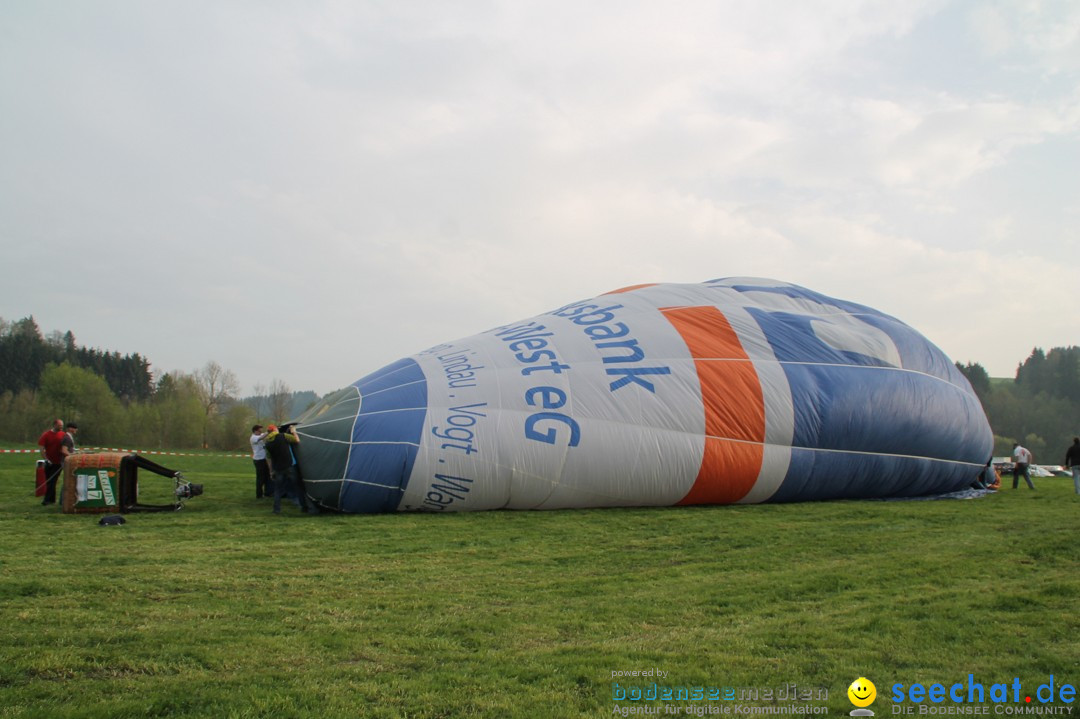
column 301, row 401
column 298, row 403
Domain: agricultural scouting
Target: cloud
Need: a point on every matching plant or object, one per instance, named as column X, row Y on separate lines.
column 1046, row 31
column 953, row 141
column 388, row 176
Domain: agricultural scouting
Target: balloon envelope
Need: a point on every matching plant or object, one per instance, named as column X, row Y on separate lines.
column 733, row 390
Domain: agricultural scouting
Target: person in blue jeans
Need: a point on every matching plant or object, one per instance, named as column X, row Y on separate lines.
column 279, row 444
column 1072, row 461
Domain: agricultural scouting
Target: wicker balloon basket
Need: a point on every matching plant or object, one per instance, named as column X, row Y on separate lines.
column 109, row 482
column 92, row 483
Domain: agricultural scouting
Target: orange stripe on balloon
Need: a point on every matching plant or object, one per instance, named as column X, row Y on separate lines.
column 631, row 288
column 734, row 406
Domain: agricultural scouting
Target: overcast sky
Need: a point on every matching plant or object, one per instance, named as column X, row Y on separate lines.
column 308, row 191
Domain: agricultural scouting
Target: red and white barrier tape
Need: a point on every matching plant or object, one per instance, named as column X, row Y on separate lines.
column 133, row 451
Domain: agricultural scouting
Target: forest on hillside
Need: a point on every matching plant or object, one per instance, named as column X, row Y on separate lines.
column 1040, row 407
column 117, row 399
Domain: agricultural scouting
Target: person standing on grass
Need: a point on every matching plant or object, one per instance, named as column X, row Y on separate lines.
column 51, row 442
column 258, row 456
column 68, row 442
column 279, row 446
column 1072, row 461
column 67, row 447
column 1021, row 465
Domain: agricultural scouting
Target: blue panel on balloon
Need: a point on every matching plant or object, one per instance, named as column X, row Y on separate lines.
column 386, row 437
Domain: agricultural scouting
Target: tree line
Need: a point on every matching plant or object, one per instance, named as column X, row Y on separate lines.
column 24, row 354
column 1039, row 408
column 116, row 399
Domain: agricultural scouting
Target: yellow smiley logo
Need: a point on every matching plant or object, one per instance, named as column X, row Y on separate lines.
column 862, row 692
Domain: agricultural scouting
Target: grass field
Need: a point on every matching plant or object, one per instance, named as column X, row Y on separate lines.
column 224, row 610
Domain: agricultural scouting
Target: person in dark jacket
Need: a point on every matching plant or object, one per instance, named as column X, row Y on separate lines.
column 279, row 444
column 1072, row 461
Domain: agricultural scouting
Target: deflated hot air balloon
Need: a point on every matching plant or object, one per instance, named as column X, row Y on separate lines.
column 733, row 390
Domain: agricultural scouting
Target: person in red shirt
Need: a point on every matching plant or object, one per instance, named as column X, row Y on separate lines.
column 51, row 442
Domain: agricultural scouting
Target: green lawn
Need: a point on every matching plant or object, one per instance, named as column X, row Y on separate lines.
column 224, row 610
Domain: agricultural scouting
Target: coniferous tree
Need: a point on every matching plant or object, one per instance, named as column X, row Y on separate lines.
column 977, row 375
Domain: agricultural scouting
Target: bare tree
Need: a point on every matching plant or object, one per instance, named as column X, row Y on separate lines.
column 215, row 385
column 259, row 401
column 280, row 400
column 55, row 339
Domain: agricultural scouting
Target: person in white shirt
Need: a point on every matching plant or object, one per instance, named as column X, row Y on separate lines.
column 1021, row 465
column 258, row 456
